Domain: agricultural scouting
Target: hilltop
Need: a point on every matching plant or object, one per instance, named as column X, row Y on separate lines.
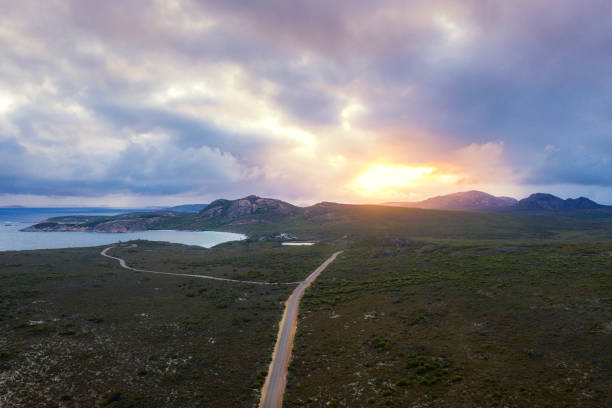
column 232, row 209
column 129, row 222
column 549, row 202
column 480, row 201
column 248, row 210
column 464, row 201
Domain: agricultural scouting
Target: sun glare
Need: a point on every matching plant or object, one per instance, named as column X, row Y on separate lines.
column 5, row 102
column 382, row 176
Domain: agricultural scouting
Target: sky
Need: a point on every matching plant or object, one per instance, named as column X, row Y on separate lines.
column 131, row 103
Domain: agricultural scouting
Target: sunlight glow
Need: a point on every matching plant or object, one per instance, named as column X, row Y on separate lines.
column 337, row 161
column 348, row 112
column 453, row 31
column 5, row 102
column 382, row 176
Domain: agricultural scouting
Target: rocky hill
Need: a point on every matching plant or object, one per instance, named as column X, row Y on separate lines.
column 129, row 222
column 549, row 202
column 253, row 210
column 251, row 205
column 483, row 202
column 464, row 201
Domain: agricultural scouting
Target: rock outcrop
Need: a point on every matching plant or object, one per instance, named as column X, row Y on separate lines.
column 549, row 202
column 251, row 205
column 129, row 222
column 465, row 201
column 479, row 201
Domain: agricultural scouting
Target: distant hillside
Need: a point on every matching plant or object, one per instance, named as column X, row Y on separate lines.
column 266, row 217
column 257, row 207
column 248, row 210
column 549, row 202
column 483, row 202
column 465, row 201
column 188, row 208
column 129, row 222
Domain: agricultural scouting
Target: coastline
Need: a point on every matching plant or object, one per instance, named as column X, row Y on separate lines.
column 16, row 240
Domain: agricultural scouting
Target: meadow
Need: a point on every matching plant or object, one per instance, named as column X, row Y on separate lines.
column 333, row 221
column 77, row 330
column 423, row 309
column 403, row 323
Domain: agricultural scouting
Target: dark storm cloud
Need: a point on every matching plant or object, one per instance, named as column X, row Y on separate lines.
column 579, row 167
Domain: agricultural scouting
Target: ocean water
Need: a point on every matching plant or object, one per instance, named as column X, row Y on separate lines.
column 12, row 220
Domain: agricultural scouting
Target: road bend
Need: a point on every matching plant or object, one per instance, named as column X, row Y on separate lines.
column 124, row 265
column 274, row 387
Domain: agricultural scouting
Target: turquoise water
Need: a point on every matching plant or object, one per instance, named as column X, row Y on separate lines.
column 12, row 220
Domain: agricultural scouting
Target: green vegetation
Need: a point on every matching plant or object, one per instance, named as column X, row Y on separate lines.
column 334, row 221
column 423, row 309
column 265, row 261
column 77, row 330
column 407, row 324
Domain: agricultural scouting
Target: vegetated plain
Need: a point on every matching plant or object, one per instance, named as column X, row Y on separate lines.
column 78, row 330
column 328, row 220
column 424, row 308
column 422, row 324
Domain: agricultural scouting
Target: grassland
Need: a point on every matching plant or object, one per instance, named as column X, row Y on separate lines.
column 77, row 330
column 413, row 324
column 423, row 309
column 332, row 221
column 254, row 261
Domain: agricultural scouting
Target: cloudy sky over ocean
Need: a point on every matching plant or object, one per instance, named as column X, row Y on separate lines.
column 165, row 102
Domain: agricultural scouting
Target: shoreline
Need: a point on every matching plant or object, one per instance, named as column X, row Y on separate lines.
column 12, row 240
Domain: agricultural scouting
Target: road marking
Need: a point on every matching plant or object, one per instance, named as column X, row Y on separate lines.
column 276, row 380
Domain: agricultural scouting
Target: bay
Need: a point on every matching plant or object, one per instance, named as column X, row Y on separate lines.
column 12, row 220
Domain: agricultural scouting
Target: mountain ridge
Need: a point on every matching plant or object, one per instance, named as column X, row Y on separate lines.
column 249, row 205
column 257, row 210
column 463, row 201
column 480, row 201
column 128, row 222
column 549, row 202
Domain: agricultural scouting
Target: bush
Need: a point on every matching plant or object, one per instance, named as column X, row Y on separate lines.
column 113, row 397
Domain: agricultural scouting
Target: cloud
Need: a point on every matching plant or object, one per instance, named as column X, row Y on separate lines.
column 169, row 169
column 190, row 97
column 483, row 164
column 573, row 167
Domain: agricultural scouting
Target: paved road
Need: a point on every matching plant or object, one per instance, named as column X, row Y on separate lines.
column 274, row 388
column 126, row 266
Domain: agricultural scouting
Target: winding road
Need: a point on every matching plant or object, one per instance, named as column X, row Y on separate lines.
column 126, row 266
column 274, row 387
